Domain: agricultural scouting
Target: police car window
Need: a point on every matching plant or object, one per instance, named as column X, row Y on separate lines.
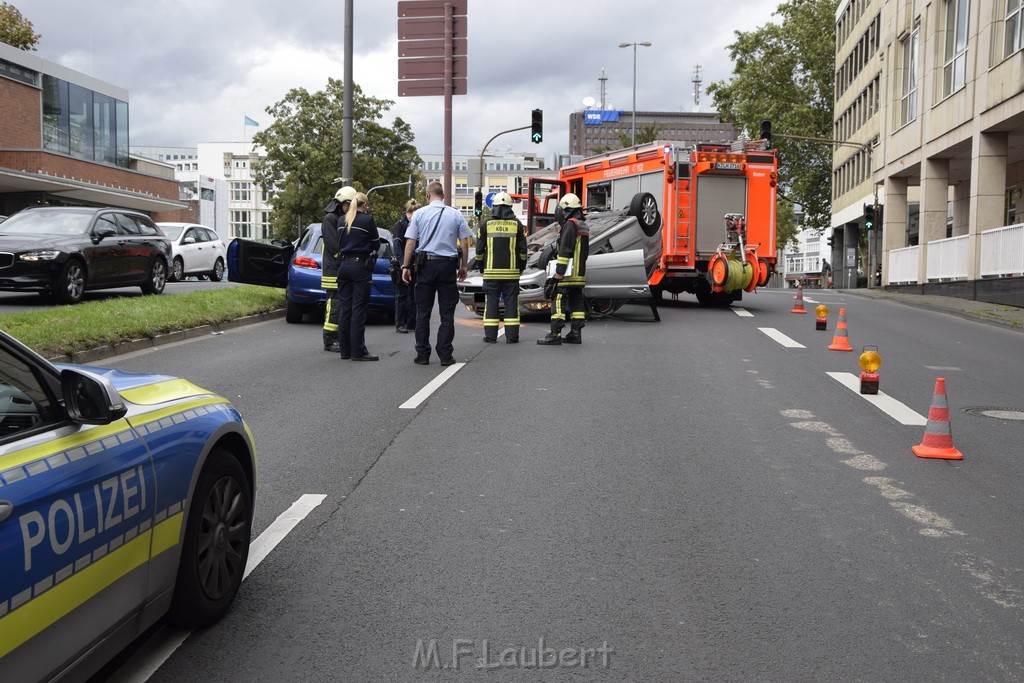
column 24, row 403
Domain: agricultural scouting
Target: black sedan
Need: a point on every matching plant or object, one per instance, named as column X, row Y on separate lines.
column 65, row 251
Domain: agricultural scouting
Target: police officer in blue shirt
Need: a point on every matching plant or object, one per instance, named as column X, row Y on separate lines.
column 359, row 242
column 437, row 243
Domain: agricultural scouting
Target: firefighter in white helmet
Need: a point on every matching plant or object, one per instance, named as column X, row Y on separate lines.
column 333, row 213
column 565, row 287
column 501, row 253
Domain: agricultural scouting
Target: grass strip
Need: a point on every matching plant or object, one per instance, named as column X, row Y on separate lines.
column 66, row 329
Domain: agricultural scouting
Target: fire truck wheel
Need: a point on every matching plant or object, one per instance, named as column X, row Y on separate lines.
column 644, row 207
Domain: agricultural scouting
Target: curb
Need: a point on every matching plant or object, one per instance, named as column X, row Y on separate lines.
column 976, row 313
column 122, row 347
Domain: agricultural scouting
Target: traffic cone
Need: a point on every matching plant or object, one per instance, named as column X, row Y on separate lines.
column 798, row 307
column 841, row 341
column 938, row 438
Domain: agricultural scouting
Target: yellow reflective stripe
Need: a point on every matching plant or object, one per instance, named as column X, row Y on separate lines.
column 573, row 280
column 502, row 227
column 328, row 282
column 491, row 322
column 153, row 416
column 83, row 436
column 502, row 274
column 167, row 533
column 511, row 321
column 563, row 260
column 37, row 614
column 162, row 392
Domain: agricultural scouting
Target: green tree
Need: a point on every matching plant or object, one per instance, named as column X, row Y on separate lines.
column 15, row 29
column 786, row 73
column 303, row 156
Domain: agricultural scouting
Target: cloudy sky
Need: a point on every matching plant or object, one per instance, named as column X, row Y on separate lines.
column 195, row 68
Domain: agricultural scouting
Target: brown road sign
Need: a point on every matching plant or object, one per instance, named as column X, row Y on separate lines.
column 431, row 48
column 430, row 86
column 419, row 29
column 429, row 8
column 430, row 68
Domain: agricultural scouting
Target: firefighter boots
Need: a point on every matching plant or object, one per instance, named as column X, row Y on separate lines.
column 573, row 337
column 552, row 339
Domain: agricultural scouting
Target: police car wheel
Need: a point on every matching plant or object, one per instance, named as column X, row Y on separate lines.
column 216, row 545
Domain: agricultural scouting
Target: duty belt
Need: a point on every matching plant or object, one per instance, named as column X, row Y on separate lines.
column 437, row 257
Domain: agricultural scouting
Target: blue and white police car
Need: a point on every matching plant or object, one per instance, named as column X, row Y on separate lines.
column 123, row 497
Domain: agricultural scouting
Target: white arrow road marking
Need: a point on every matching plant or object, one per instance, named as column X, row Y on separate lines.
column 432, row 386
column 781, row 338
column 162, row 644
column 887, row 404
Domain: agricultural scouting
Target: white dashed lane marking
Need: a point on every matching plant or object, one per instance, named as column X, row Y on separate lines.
column 742, row 312
column 781, row 338
column 887, row 404
column 432, row 386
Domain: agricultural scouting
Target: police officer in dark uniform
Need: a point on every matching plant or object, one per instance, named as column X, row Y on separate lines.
column 405, row 304
column 358, row 243
column 501, row 253
column 565, row 287
column 329, row 269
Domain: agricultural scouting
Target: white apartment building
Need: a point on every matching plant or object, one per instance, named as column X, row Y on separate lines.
column 501, row 174
column 941, row 84
column 247, row 204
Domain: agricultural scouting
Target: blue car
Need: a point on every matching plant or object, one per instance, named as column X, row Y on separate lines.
column 297, row 269
column 123, row 497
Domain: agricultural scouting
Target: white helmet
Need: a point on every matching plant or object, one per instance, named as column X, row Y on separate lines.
column 501, row 199
column 346, row 194
column 570, row 201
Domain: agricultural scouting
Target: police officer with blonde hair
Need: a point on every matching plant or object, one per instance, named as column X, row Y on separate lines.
column 333, row 212
column 358, row 245
column 501, row 253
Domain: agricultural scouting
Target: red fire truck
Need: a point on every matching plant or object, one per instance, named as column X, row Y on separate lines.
column 714, row 206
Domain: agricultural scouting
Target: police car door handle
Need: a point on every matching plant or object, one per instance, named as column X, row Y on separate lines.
column 5, row 510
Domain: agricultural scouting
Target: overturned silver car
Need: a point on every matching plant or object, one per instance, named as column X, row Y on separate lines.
column 621, row 256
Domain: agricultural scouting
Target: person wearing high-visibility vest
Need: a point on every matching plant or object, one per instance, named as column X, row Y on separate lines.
column 501, row 253
column 565, row 287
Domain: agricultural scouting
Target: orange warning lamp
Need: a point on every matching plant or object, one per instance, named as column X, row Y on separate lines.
column 869, row 362
column 821, row 320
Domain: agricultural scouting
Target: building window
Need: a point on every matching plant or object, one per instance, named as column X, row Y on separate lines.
column 908, row 93
column 954, row 67
column 1014, row 27
column 241, row 224
column 240, row 192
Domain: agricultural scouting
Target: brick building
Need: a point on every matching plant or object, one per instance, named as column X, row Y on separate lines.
column 64, row 141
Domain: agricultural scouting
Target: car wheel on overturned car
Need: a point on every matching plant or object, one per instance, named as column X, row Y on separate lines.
column 216, row 542
column 69, row 287
column 644, row 207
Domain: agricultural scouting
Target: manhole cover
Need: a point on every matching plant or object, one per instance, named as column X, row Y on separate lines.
column 997, row 413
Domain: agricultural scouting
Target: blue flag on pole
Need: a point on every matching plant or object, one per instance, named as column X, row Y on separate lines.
column 250, row 122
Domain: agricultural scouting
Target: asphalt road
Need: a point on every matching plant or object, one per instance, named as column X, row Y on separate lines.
column 17, row 302
column 683, row 500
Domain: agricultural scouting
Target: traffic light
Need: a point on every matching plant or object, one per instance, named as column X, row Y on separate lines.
column 869, row 216
column 478, row 203
column 766, row 131
column 831, row 241
column 537, row 126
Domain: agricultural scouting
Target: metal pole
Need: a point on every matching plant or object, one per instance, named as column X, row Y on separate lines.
column 346, row 115
column 448, row 88
column 633, row 140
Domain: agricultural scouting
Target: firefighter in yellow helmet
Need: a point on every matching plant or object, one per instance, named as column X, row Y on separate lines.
column 333, row 215
column 565, row 287
column 501, row 253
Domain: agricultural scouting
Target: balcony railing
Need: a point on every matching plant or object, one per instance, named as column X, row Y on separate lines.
column 1002, row 251
column 1002, row 255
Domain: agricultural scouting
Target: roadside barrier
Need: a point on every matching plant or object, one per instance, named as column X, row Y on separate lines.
column 938, row 437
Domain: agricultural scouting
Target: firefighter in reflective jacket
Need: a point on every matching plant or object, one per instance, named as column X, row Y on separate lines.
column 501, row 253
column 565, row 287
column 333, row 215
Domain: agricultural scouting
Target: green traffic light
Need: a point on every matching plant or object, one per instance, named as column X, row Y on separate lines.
column 537, row 137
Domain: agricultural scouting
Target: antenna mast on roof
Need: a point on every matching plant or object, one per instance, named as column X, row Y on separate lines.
column 603, row 80
column 696, row 88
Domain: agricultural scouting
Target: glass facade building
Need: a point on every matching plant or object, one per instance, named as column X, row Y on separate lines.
column 83, row 123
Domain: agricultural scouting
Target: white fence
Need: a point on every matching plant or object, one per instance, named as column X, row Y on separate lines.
column 1002, row 254
column 947, row 259
column 903, row 265
column 1002, row 251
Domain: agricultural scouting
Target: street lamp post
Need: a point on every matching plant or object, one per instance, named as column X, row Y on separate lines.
column 633, row 45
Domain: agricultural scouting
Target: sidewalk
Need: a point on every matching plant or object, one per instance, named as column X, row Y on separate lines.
column 994, row 314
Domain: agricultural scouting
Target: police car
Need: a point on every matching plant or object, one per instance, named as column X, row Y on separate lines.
column 123, row 497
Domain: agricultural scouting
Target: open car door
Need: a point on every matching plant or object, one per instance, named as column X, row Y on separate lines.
column 257, row 263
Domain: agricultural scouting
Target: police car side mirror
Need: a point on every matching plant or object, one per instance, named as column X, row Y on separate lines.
column 90, row 398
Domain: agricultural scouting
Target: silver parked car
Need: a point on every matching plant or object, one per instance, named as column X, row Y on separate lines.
column 621, row 256
column 197, row 250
